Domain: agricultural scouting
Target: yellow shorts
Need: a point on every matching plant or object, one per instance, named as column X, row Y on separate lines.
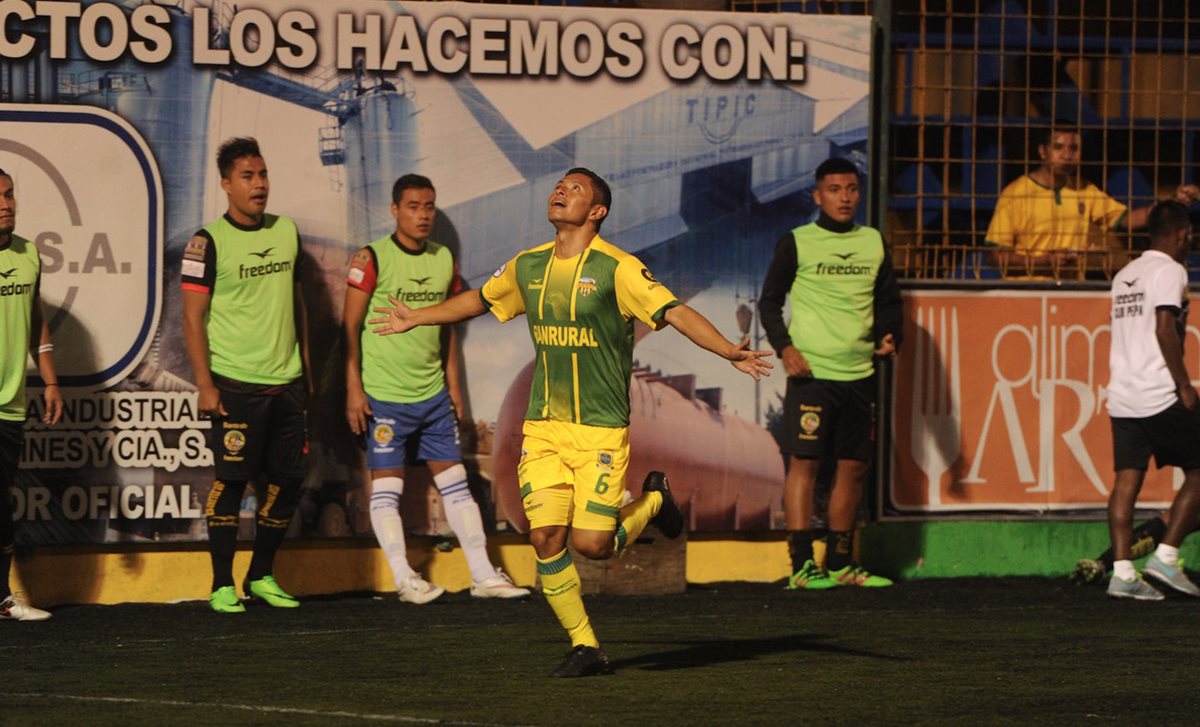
column 591, row 460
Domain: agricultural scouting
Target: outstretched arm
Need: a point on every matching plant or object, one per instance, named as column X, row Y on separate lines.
column 702, row 333
column 400, row 318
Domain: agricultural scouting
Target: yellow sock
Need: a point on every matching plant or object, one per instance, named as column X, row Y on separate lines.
column 560, row 585
column 634, row 518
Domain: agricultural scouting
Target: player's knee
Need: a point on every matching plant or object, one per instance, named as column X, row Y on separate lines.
column 593, row 548
column 548, row 541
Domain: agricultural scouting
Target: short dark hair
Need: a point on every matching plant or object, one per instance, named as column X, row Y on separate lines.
column 233, row 149
column 409, row 181
column 1166, row 218
column 836, row 165
column 5, row 174
column 1044, row 135
column 601, row 194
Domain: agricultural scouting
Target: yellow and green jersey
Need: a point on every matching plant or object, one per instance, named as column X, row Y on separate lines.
column 20, row 271
column 404, row 368
column 580, row 312
column 251, row 273
column 1037, row 219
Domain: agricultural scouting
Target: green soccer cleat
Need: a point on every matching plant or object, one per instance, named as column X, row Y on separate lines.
column 268, row 590
column 810, row 577
column 854, row 575
column 225, row 600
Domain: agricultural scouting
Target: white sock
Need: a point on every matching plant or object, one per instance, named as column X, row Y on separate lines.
column 1124, row 570
column 389, row 530
column 1168, row 554
column 462, row 512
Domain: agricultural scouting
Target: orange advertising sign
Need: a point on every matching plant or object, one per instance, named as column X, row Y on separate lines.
column 999, row 404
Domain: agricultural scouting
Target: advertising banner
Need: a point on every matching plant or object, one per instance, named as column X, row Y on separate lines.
column 999, row 405
column 708, row 127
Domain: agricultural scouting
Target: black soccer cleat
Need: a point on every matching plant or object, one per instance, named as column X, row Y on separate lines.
column 583, row 661
column 669, row 519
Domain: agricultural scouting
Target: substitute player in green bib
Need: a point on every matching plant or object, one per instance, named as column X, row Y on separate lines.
column 397, row 393
column 581, row 296
column 23, row 332
column 845, row 307
column 244, row 324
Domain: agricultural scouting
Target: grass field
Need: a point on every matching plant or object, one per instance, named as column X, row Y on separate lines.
column 959, row 651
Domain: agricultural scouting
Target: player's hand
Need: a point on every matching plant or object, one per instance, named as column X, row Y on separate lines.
column 54, row 405
column 751, row 362
column 795, row 364
column 358, row 410
column 208, row 402
column 456, row 402
column 1187, row 395
column 397, row 319
column 887, row 346
column 1188, row 194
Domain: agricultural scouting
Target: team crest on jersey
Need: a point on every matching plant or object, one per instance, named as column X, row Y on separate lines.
column 604, row 461
column 195, row 248
column 587, row 286
column 359, row 265
column 383, row 434
column 652, row 280
column 234, row 441
column 1082, row 209
column 810, row 421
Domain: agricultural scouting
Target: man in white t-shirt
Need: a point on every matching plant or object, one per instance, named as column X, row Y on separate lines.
column 1151, row 401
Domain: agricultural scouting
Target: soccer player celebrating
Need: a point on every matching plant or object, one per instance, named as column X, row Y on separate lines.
column 25, row 332
column 581, row 295
column 245, row 328
column 1151, row 402
column 397, row 391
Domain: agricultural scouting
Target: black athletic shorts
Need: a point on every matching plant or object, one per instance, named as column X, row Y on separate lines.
column 11, row 436
column 266, row 431
column 830, row 417
column 1172, row 436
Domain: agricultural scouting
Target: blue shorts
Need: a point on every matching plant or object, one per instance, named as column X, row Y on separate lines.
column 428, row 429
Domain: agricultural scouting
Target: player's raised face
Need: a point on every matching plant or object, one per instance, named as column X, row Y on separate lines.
column 414, row 215
column 837, row 195
column 247, row 187
column 571, row 202
column 8, row 206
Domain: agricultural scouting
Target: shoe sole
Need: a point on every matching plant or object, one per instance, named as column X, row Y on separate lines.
column 501, row 596
column 1163, row 579
column 1134, row 596
column 421, row 601
column 669, row 519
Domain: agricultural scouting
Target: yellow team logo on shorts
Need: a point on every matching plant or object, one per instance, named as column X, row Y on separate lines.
column 234, row 441
column 810, row 421
column 383, row 434
column 587, row 286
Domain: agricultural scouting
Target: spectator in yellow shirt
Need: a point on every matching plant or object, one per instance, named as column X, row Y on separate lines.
column 1044, row 219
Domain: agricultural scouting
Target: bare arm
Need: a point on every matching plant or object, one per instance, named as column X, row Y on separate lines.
column 195, row 309
column 401, row 318
column 358, row 409
column 1172, row 350
column 1187, row 194
column 701, row 332
column 454, row 372
column 39, row 349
